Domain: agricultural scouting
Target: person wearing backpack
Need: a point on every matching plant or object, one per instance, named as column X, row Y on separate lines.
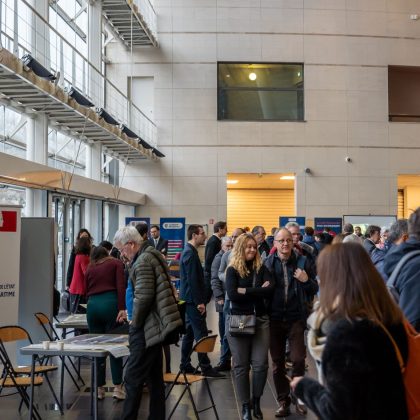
column 407, row 281
column 295, row 287
column 361, row 372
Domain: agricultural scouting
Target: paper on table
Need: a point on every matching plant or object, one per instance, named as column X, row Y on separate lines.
column 119, row 351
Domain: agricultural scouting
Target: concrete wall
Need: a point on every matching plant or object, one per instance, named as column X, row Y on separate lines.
column 345, row 45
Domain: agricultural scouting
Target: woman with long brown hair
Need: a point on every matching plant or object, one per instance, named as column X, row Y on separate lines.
column 248, row 282
column 361, row 373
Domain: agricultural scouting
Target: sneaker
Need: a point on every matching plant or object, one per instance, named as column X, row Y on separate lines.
column 213, row 373
column 284, row 409
column 223, row 367
column 300, row 407
column 101, row 392
column 189, row 369
column 119, row 393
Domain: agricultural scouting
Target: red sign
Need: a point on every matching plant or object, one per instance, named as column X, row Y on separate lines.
column 8, row 221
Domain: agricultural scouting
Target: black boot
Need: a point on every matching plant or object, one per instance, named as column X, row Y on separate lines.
column 256, row 408
column 246, row 411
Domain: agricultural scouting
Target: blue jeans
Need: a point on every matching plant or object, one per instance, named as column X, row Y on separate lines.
column 196, row 328
column 225, row 354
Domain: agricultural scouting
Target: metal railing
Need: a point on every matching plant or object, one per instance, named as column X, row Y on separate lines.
column 148, row 12
column 25, row 31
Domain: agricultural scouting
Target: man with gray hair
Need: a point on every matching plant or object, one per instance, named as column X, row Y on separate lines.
column 398, row 234
column 219, row 292
column 155, row 315
column 407, row 283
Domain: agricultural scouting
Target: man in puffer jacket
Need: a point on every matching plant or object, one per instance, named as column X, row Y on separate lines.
column 155, row 315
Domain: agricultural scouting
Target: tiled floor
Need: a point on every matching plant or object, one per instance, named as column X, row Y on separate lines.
column 78, row 403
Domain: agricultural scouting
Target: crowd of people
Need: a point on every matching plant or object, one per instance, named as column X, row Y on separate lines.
column 275, row 297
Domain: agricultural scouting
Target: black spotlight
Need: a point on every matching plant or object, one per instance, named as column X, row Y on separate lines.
column 37, row 67
column 157, row 153
column 79, row 98
column 128, row 132
column 145, row 144
column 107, row 117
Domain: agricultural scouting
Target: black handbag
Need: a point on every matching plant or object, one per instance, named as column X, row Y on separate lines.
column 243, row 325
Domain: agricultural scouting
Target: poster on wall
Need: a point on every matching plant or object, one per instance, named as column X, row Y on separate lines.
column 173, row 229
column 10, row 229
column 364, row 221
column 333, row 223
column 132, row 221
column 284, row 220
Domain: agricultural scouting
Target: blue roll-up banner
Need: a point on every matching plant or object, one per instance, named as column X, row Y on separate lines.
column 334, row 223
column 284, row 220
column 173, row 229
column 132, row 221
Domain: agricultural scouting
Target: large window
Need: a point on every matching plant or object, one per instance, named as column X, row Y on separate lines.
column 403, row 93
column 260, row 92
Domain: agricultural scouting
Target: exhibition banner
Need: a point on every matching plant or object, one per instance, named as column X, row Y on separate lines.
column 132, row 221
column 283, row 220
column 10, row 230
column 334, row 223
column 173, row 229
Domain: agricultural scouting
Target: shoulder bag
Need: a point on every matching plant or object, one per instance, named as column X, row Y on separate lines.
column 243, row 325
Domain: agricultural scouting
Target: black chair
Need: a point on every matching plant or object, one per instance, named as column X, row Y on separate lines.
column 205, row 345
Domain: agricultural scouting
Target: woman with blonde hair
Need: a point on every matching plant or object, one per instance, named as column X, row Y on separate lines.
column 361, row 373
column 248, row 283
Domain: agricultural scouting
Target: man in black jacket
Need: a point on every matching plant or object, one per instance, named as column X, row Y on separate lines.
column 295, row 287
column 259, row 235
column 213, row 246
column 157, row 241
column 194, row 292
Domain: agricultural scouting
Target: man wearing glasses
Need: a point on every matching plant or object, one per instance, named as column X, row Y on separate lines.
column 155, row 315
column 295, row 286
column 194, row 292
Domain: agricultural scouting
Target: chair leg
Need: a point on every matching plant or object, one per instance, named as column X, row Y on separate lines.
column 26, row 400
column 211, row 398
column 76, row 370
column 193, row 402
column 178, row 401
column 54, row 395
column 172, row 385
column 68, row 371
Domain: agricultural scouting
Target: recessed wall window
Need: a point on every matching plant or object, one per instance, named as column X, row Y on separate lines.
column 403, row 93
column 260, row 92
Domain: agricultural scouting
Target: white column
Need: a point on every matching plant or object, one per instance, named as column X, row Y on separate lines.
column 93, row 171
column 37, row 126
column 94, row 39
column 96, row 92
column 36, row 151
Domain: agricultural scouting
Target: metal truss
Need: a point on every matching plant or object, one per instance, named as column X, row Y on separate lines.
column 27, row 93
column 128, row 23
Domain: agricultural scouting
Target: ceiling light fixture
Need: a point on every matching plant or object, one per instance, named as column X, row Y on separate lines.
column 231, row 181
column 252, row 76
column 287, row 177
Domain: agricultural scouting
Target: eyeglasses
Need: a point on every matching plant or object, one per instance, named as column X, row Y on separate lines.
column 282, row 241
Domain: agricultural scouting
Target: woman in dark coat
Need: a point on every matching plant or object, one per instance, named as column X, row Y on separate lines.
column 361, row 374
column 248, row 283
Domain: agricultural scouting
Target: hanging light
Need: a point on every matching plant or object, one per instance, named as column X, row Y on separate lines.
column 106, row 116
column 128, row 132
column 252, row 76
column 37, row 67
column 79, row 98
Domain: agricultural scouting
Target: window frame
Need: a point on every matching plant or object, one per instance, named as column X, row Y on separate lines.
column 268, row 89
